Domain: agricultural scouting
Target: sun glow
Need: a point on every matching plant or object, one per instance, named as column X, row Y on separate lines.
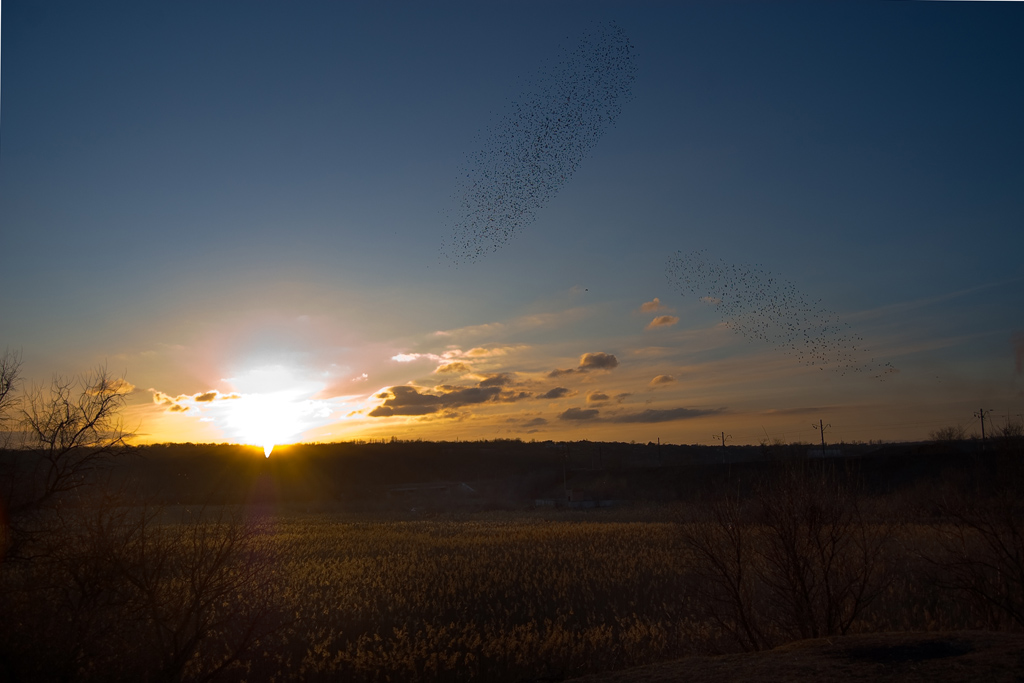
column 275, row 407
column 267, row 419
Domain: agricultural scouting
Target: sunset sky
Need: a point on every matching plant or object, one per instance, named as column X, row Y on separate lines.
column 242, row 207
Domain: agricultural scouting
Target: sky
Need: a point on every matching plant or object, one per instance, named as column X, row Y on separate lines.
column 331, row 221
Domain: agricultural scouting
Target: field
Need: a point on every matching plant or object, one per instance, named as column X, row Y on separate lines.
column 114, row 587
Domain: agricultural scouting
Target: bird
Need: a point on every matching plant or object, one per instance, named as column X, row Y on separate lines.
column 533, row 150
column 761, row 306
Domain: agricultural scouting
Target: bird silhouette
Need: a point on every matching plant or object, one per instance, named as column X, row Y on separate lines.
column 761, row 306
column 535, row 148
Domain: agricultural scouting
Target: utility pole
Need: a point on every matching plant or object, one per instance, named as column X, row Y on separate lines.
column 565, row 466
column 722, row 437
column 981, row 416
column 821, row 427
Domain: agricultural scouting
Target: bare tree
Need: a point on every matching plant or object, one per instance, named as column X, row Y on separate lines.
column 75, row 425
column 981, row 556
column 69, row 430
column 724, row 568
column 120, row 590
column 949, row 435
column 796, row 561
column 104, row 586
column 823, row 563
column 10, row 377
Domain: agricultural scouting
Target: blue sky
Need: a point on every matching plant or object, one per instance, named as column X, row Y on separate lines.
column 250, row 198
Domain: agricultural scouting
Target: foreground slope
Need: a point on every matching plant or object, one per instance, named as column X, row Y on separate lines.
column 955, row 657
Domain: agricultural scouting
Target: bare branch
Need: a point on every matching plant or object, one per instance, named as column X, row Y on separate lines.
column 10, row 378
column 70, row 429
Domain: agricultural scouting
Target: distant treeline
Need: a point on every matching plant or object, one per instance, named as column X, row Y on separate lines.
column 502, row 473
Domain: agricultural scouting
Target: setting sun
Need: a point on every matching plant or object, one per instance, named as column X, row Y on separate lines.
column 265, row 420
column 274, row 407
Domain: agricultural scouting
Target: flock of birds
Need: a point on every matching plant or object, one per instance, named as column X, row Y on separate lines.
column 760, row 306
column 536, row 147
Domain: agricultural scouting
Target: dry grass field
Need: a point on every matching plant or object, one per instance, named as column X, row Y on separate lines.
column 491, row 596
column 803, row 573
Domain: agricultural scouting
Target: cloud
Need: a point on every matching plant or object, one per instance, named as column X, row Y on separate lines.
column 473, row 330
column 662, row 321
column 457, row 367
column 524, row 422
column 408, row 400
column 598, row 361
column 557, row 392
column 589, row 361
column 619, row 398
column 648, row 416
column 406, row 357
column 652, row 306
column 813, row 410
column 596, row 397
column 670, row 415
column 361, row 378
column 662, row 379
column 481, row 352
column 160, row 398
column 182, row 402
column 502, row 379
column 579, row 414
column 116, row 385
column 523, row 323
column 653, row 351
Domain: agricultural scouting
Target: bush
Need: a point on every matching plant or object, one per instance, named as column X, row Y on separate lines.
column 796, row 561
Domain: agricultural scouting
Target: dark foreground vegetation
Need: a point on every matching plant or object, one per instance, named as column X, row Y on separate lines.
column 433, row 562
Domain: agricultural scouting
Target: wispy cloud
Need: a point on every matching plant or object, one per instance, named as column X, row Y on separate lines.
column 652, row 415
column 516, row 325
column 579, row 414
column 649, row 416
column 662, row 379
column 662, row 321
column 652, row 306
column 492, row 352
